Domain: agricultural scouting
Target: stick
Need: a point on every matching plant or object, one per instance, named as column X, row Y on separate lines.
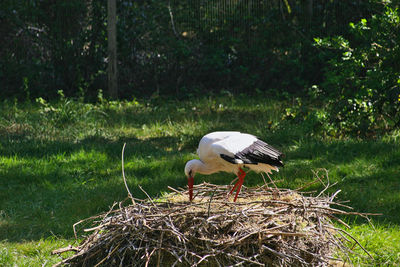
column 62, row 250
column 123, row 175
column 209, row 203
column 176, row 191
column 355, row 240
column 172, row 18
column 216, row 231
column 147, row 196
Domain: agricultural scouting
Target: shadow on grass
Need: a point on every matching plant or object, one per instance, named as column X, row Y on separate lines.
column 47, row 186
column 366, row 172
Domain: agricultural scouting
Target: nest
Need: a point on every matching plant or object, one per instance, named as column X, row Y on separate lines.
column 266, row 226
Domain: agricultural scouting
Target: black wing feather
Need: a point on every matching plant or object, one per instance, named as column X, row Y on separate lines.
column 261, row 152
column 228, row 158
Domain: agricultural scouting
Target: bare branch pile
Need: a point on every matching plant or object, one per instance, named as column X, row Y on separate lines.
column 264, row 227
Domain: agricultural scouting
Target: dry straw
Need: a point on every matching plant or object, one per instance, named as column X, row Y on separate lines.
column 266, row 226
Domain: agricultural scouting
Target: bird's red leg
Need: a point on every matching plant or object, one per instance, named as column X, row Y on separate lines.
column 241, row 180
column 241, row 172
column 238, row 184
column 190, row 186
column 233, row 188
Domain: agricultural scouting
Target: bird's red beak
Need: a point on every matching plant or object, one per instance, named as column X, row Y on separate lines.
column 190, row 185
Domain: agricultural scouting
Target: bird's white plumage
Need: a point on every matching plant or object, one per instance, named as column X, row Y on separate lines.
column 214, row 144
column 228, row 143
column 229, row 152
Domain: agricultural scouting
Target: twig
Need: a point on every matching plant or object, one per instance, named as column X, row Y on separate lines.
column 151, row 200
column 272, row 181
column 84, row 220
column 322, row 182
column 108, row 256
column 172, row 19
column 355, row 240
column 123, row 174
column 209, row 204
column 62, row 250
column 308, row 184
column 159, row 249
column 176, row 191
column 334, row 195
column 288, row 228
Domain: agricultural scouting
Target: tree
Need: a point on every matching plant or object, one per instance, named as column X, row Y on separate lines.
column 112, row 48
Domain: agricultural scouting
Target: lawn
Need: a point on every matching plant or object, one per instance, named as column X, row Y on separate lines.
column 61, row 162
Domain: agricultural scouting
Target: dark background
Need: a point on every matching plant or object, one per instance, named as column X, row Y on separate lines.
column 340, row 54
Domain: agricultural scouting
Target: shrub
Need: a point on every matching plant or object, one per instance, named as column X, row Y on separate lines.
column 362, row 79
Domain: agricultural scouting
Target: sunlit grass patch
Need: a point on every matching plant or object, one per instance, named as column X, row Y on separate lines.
column 31, row 253
column 381, row 240
column 56, row 170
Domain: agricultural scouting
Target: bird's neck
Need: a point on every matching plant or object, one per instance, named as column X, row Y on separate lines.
column 202, row 167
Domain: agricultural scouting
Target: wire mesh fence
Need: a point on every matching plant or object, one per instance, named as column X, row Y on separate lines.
column 168, row 46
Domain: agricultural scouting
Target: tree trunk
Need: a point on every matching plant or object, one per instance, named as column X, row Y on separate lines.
column 112, row 48
column 310, row 11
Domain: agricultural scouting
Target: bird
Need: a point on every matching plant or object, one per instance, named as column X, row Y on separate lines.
column 231, row 151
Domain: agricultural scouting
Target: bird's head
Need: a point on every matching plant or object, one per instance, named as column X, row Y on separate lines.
column 190, row 170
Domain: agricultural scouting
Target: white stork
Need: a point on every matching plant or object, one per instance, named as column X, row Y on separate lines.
column 230, row 152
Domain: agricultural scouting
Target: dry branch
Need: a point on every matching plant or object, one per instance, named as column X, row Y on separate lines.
column 264, row 227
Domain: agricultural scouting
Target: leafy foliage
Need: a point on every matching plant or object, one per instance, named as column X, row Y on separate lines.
column 362, row 80
column 341, row 55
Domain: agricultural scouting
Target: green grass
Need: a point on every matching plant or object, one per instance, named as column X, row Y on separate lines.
column 60, row 163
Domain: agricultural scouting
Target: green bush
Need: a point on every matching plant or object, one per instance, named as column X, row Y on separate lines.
column 362, row 80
